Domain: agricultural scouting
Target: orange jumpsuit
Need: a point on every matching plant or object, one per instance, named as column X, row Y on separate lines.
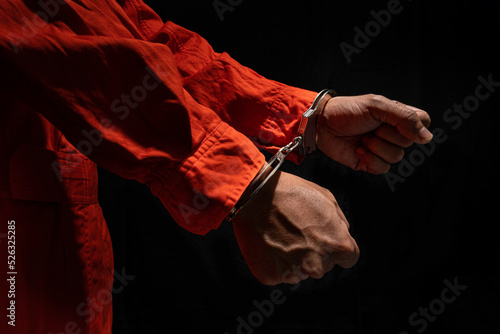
column 107, row 82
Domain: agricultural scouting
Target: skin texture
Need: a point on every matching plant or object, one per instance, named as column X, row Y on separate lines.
column 370, row 132
column 294, row 229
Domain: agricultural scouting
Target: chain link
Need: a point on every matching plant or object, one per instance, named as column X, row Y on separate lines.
column 275, row 163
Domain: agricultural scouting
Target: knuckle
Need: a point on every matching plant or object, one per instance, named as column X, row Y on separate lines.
column 345, row 249
column 327, row 193
column 425, row 118
column 292, row 280
column 312, row 266
column 338, row 247
column 314, row 272
column 347, row 224
column 396, row 157
column 317, row 274
column 409, row 115
column 376, row 99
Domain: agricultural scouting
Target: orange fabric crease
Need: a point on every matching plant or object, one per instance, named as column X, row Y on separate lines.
column 107, row 83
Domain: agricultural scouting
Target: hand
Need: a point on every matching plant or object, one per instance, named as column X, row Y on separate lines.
column 369, row 132
column 293, row 229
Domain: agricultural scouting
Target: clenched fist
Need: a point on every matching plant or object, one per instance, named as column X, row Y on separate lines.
column 293, row 229
column 369, row 132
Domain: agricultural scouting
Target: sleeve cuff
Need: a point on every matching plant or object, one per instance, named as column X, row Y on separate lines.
column 207, row 185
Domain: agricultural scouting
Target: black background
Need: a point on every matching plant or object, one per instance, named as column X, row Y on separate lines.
column 439, row 224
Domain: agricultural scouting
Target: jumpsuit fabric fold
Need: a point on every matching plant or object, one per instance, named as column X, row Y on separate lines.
column 108, row 83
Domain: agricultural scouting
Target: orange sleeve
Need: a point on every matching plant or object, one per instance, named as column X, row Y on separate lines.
column 141, row 100
column 266, row 111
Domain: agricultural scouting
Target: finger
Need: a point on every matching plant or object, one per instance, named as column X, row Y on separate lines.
column 407, row 119
column 350, row 255
column 387, row 151
column 424, row 117
column 313, row 266
column 390, row 134
column 294, row 275
column 371, row 163
column 328, row 261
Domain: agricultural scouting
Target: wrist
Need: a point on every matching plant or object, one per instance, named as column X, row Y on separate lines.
column 266, row 173
column 320, row 122
column 309, row 124
column 263, row 173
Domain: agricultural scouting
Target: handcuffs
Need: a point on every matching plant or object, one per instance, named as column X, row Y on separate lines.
column 305, row 142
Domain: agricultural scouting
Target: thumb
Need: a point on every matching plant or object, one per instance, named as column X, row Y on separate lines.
column 407, row 119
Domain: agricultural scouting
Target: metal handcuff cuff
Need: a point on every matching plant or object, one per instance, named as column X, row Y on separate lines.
column 305, row 141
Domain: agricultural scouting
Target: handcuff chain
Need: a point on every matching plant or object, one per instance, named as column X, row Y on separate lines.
column 277, row 160
column 280, row 157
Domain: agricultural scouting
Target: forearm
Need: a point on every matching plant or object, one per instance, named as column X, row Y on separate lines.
column 266, row 111
column 128, row 95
